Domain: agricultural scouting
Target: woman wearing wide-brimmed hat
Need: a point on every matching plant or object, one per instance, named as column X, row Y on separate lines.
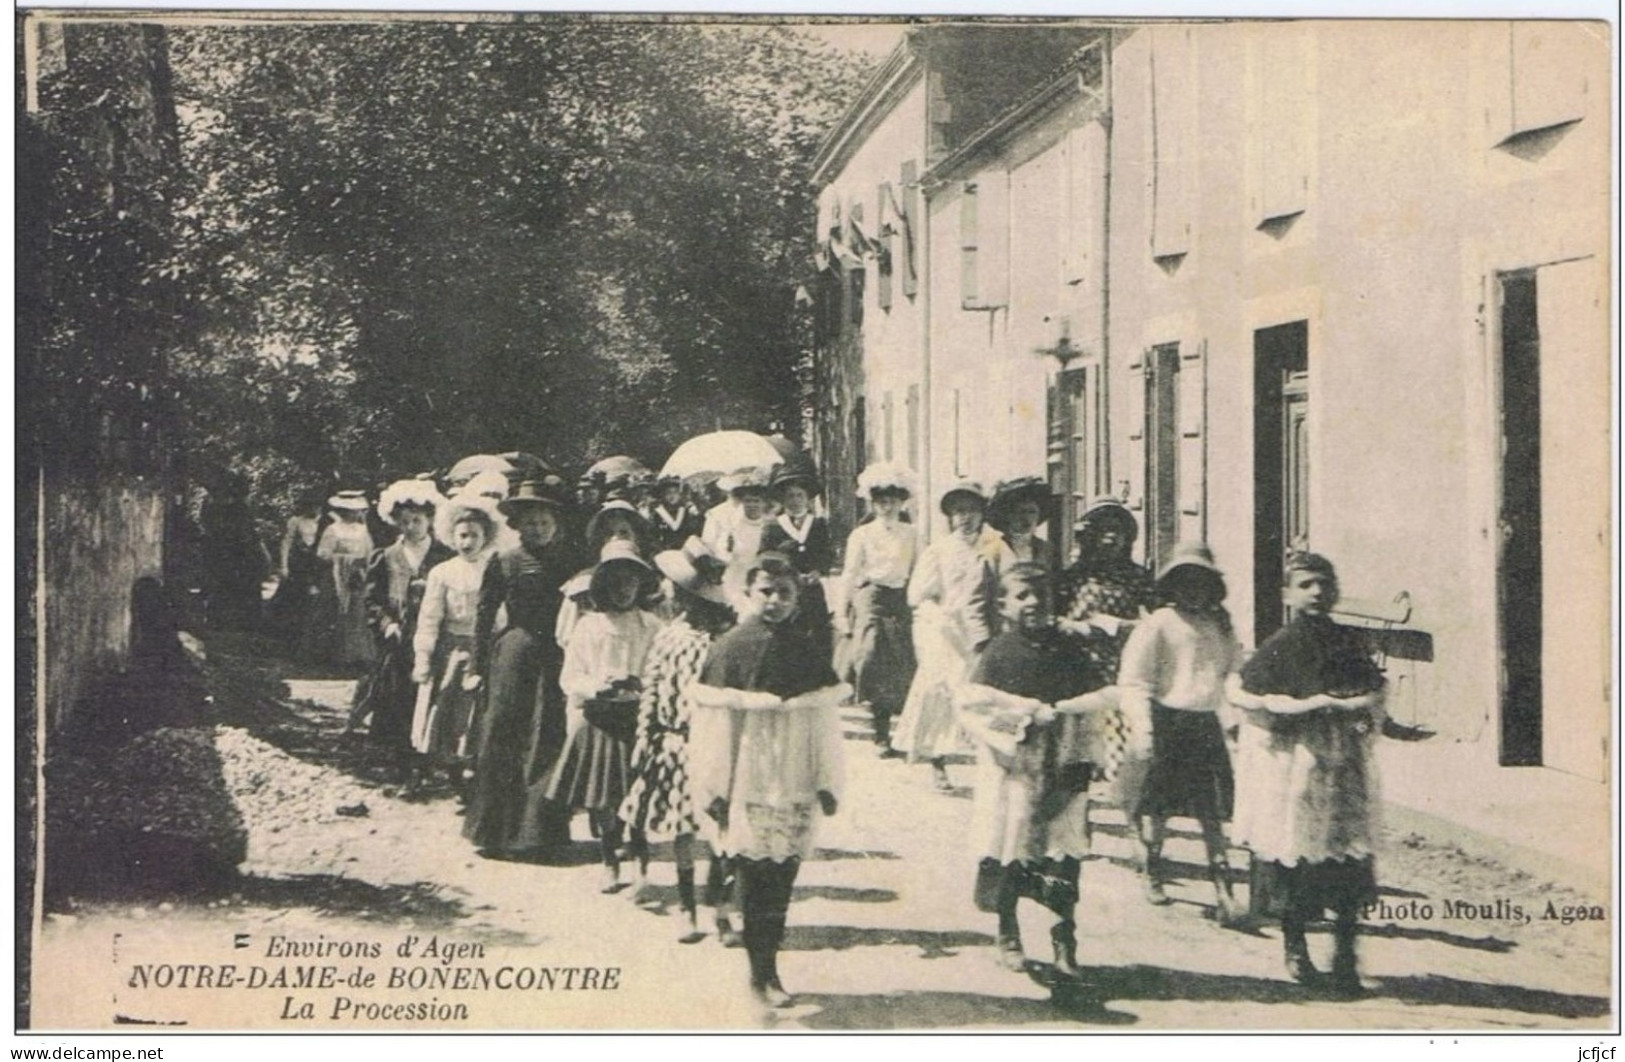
column 879, row 558
column 396, row 578
column 673, row 520
column 803, row 536
column 523, row 725
column 1172, row 684
column 660, row 801
column 1018, row 508
column 347, row 547
column 603, row 684
column 733, row 530
column 954, row 592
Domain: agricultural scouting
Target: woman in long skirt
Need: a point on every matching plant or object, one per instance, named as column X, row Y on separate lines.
column 443, row 649
column 879, row 558
column 660, row 801
column 1172, row 685
column 1306, row 785
column 522, row 728
column 954, row 593
column 396, row 578
column 347, row 547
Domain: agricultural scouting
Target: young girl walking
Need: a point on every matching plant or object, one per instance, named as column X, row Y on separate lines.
column 602, row 684
column 660, row 800
column 1172, row 684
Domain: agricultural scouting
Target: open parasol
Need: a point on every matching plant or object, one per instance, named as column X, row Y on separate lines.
column 719, row 453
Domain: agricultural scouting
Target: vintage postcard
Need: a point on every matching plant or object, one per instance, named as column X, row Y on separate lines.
column 547, row 522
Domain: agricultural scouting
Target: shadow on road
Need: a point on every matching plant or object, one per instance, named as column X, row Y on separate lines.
column 938, row 1010
column 1161, row 983
column 423, row 904
column 933, row 944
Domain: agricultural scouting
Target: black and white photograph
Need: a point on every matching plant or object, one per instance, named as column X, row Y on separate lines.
column 539, row 522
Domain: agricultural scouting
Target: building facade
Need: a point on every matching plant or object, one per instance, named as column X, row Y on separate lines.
column 1328, row 285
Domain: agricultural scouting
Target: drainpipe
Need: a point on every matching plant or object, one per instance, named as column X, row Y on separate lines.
column 1103, row 461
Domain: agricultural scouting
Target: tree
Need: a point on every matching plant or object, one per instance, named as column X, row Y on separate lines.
column 416, row 240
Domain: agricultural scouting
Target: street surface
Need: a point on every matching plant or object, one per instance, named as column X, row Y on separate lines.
column 883, row 933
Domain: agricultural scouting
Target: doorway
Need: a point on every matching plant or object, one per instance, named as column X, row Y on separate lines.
column 1280, row 464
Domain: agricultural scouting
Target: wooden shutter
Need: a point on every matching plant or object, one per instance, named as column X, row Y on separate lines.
column 1549, row 83
column 1173, row 129
column 969, row 223
column 1132, row 485
column 1192, row 464
column 888, row 225
column 994, row 238
column 1085, row 148
column 910, row 226
column 1282, row 121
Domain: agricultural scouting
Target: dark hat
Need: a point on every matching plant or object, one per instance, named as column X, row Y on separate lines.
column 1012, row 492
column 549, row 490
column 798, row 472
column 1106, row 510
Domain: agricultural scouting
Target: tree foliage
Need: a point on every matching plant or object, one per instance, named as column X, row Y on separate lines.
column 415, row 240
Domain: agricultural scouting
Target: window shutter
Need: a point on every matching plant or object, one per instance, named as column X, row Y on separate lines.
column 1132, row 486
column 910, row 225
column 1283, row 127
column 888, row 225
column 1549, row 85
column 968, row 224
column 1192, row 463
column 1173, row 126
column 1080, row 196
column 993, row 238
column 914, row 426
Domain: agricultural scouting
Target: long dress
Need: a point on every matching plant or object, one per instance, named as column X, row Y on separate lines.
column 879, row 558
column 660, row 800
column 1031, row 815
column 810, row 549
column 954, row 592
column 294, row 608
column 348, row 548
column 522, row 729
column 395, row 587
column 1306, row 784
column 591, row 774
column 445, row 644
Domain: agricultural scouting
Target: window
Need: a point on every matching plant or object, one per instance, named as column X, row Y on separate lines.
column 984, row 239
column 1282, row 121
column 1549, row 82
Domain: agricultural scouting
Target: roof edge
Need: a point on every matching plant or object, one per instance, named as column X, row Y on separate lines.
column 895, row 76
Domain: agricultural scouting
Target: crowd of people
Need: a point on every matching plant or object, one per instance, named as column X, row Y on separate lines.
column 672, row 665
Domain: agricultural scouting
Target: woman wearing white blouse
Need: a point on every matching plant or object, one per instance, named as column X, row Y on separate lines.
column 879, row 559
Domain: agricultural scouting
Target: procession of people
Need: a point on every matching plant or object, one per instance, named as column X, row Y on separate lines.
column 652, row 658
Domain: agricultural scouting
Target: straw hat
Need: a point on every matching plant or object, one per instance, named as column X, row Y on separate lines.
column 964, row 487
column 884, row 475
column 680, row 568
column 1188, row 555
column 640, row 526
column 348, row 501
column 623, row 555
column 1012, row 492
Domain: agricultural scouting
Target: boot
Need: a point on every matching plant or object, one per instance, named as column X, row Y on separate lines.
column 688, row 929
column 1064, row 935
column 1011, row 955
column 1296, row 947
column 1151, row 875
column 1225, row 911
column 1345, row 980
